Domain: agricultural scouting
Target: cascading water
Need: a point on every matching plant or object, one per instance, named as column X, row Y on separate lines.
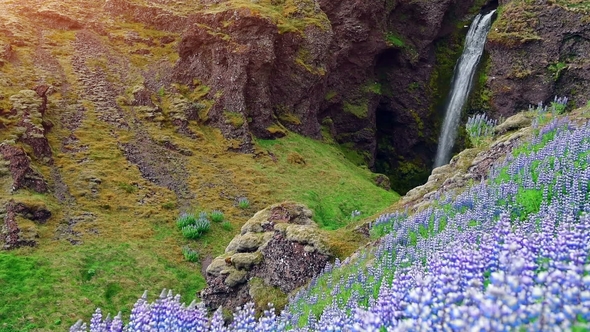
column 461, row 85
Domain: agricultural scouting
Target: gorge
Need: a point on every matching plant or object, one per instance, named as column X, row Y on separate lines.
column 122, row 119
column 461, row 84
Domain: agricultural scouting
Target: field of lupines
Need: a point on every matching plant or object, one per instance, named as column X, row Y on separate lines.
column 507, row 254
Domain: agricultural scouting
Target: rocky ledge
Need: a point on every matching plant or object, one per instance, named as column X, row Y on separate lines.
column 278, row 250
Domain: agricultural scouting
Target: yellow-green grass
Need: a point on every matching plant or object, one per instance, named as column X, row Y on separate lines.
column 50, row 289
column 131, row 242
column 325, row 180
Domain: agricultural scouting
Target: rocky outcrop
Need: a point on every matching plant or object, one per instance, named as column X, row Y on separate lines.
column 13, row 235
column 351, row 61
column 19, row 166
column 30, row 106
column 278, row 250
column 257, row 73
column 471, row 164
column 537, row 51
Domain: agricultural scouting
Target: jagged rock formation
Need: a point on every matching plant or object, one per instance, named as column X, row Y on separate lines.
column 278, row 250
column 13, row 234
column 537, row 51
column 15, row 162
column 357, row 60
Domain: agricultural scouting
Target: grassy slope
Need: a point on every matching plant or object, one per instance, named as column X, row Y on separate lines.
column 131, row 244
column 526, row 201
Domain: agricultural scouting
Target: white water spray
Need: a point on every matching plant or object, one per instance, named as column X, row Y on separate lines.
column 461, row 85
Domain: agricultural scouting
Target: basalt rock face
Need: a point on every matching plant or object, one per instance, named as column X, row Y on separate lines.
column 18, row 165
column 13, row 235
column 360, row 58
column 537, row 56
column 256, row 72
column 278, row 250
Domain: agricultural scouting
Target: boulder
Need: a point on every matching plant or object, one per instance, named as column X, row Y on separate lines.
column 279, row 249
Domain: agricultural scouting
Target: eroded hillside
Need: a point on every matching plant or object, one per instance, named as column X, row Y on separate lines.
column 101, row 149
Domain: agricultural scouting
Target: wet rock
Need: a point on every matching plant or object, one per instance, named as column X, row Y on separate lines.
column 280, row 247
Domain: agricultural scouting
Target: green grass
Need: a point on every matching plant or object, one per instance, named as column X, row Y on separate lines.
column 393, row 39
column 526, row 202
column 41, row 290
column 351, row 187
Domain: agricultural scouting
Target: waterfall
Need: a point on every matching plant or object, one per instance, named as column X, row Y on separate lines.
column 461, row 84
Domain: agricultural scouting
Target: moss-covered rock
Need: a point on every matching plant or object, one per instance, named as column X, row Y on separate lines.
column 307, row 235
column 217, row 265
column 517, row 121
column 278, row 250
column 263, row 294
column 248, row 242
column 245, row 261
column 235, row 277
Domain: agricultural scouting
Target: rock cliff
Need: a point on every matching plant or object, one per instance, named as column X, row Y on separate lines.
column 538, row 50
column 360, row 70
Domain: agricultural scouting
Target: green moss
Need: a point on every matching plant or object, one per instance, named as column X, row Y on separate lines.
column 373, row 87
column 277, row 130
column 361, row 111
column 394, row 40
column 404, row 175
column 234, row 118
column 515, row 24
column 289, row 118
column 304, row 60
column 556, row 69
column 418, row 121
column 263, row 294
column 447, row 51
column 413, row 86
column 330, row 95
column 481, row 97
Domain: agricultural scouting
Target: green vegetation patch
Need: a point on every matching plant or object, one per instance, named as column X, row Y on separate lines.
column 392, row 39
column 516, row 23
column 361, row 111
column 39, row 289
column 330, row 184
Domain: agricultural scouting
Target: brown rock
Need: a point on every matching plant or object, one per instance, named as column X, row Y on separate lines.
column 11, row 235
column 382, row 181
column 295, row 80
column 31, row 105
column 551, row 61
column 23, row 175
column 284, row 257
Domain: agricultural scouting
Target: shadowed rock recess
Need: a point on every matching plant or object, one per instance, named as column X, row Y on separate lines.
column 277, row 251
